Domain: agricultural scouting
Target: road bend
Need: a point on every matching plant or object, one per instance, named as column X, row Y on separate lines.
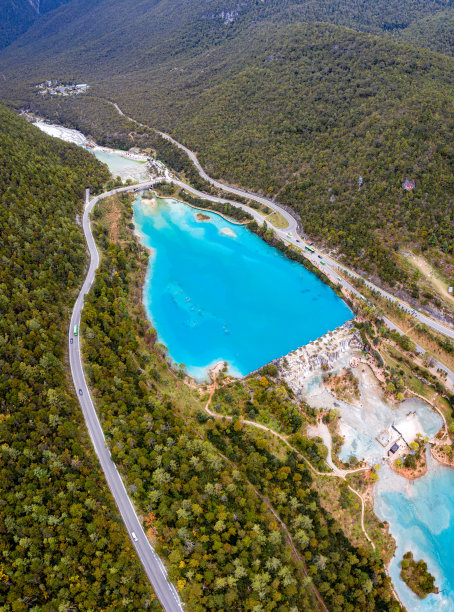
column 152, row 564
column 290, row 234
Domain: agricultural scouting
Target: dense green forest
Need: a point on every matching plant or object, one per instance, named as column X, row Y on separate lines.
column 105, row 29
column 435, row 31
column 327, row 121
column 63, row 545
column 16, row 16
column 280, row 97
column 242, row 527
column 315, row 109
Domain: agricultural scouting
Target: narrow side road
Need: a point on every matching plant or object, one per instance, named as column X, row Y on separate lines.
column 152, row 564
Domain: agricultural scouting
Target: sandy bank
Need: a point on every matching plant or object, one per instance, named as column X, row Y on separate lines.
column 151, row 202
column 226, row 231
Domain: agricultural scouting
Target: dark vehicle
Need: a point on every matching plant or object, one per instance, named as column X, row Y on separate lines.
column 319, row 256
column 80, row 391
column 70, row 340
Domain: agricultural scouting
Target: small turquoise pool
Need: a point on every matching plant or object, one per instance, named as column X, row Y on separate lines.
column 421, row 518
column 216, row 292
column 122, row 166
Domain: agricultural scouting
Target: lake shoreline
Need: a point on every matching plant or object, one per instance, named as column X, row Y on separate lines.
column 225, row 288
column 213, row 212
column 416, row 510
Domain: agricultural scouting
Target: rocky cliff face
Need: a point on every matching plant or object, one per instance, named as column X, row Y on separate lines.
column 318, row 356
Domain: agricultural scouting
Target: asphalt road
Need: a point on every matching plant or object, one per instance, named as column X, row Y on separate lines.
column 292, row 228
column 153, row 566
column 296, row 240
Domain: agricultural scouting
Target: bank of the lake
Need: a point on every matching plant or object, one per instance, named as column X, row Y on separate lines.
column 216, row 292
column 122, row 166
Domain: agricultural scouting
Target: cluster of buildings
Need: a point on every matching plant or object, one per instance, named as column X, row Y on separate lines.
column 55, row 88
column 318, row 356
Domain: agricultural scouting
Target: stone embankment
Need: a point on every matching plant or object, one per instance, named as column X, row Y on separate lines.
column 318, row 356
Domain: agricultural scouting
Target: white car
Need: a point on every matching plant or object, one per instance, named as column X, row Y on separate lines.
column 134, row 537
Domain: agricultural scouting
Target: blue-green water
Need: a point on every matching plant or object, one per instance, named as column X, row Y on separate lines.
column 420, row 513
column 421, row 518
column 213, row 296
column 122, row 166
column 216, row 292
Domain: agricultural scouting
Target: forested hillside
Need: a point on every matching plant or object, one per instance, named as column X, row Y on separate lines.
column 63, row 545
column 16, row 16
column 310, row 111
column 164, row 28
column 435, row 31
column 315, row 109
column 326, row 120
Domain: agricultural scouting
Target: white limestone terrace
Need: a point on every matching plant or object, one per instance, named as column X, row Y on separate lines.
column 58, row 131
column 319, row 355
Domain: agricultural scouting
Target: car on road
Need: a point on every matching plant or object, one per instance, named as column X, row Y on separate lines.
column 71, row 341
column 319, row 256
column 134, row 537
column 80, row 391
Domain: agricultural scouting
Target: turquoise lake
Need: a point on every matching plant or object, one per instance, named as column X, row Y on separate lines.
column 420, row 513
column 216, row 292
column 421, row 518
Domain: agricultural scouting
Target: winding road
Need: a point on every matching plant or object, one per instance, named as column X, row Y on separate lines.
column 152, row 564
column 331, row 266
column 290, row 236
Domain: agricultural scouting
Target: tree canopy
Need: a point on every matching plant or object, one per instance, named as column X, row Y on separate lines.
column 63, row 545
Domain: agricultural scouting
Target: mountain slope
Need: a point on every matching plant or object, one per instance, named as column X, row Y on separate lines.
column 299, row 111
column 164, row 27
column 16, row 16
column 435, row 31
column 63, row 543
column 309, row 111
